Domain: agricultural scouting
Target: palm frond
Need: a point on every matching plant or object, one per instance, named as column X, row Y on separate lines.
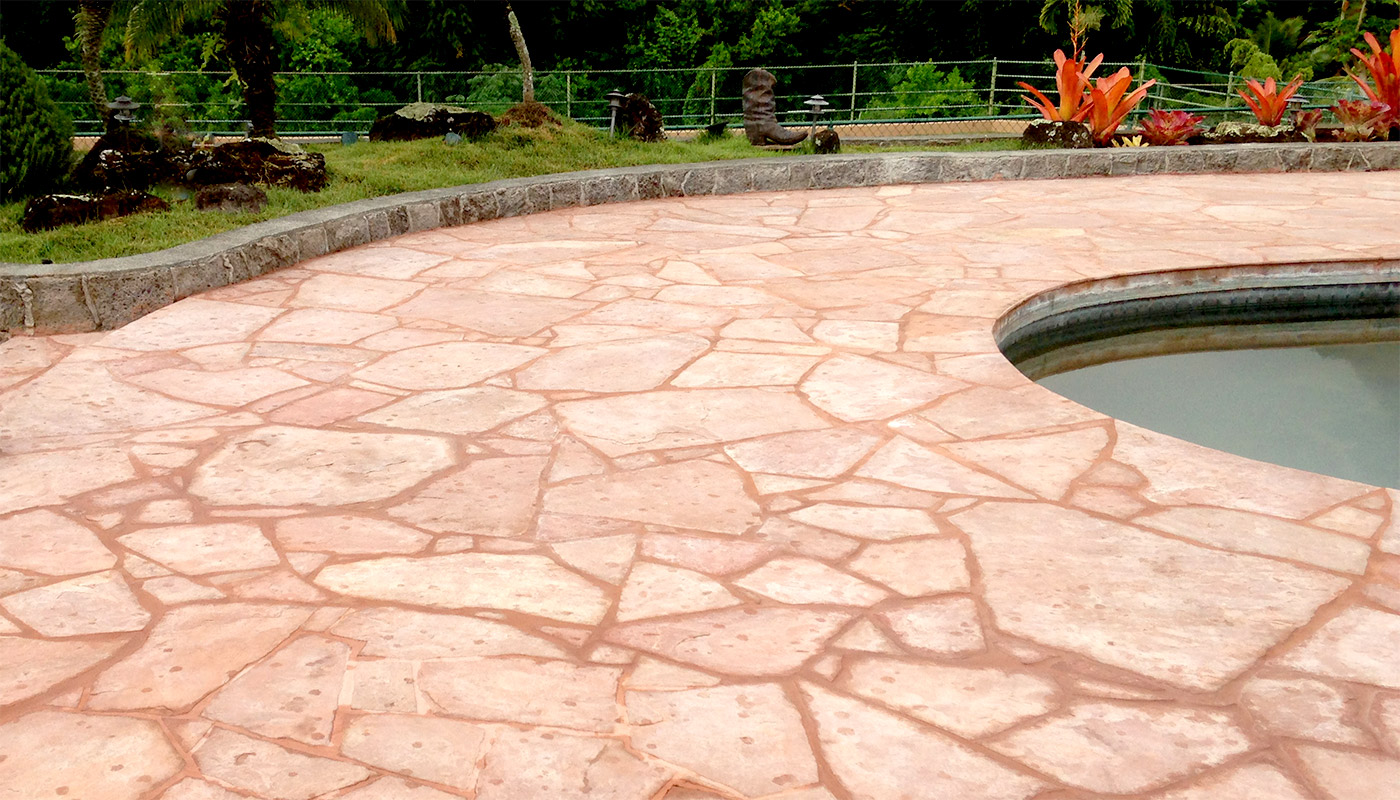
column 376, row 19
column 152, row 21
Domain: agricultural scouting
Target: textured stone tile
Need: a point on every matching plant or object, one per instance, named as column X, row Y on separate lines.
column 194, row 789
column 802, row 581
column 42, row 541
column 1303, row 708
column 204, row 549
column 292, row 695
column 192, row 322
column 294, row 466
column 710, row 556
column 857, row 388
column 93, row 604
column 749, row 738
column 352, row 292
column 191, row 652
column 457, row 411
column 1256, row 781
column 29, row 667
column 972, row 702
column 1044, row 464
column 1215, row 616
column 915, row 568
column 530, row 584
column 809, row 454
column 349, row 534
column 697, row 495
column 745, row 369
column 868, row 522
column 1360, row 644
column 520, row 690
column 173, row 590
column 395, row 789
column 35, row 479
column 493, row 313
column 50, row 754
column 443, row 751
column 381, row 685
column 877, row 755
column 947, row 626
column 632, row 365
column 882, row 337
column 234, row 388
column 1244, row 532
column 449, row 365
column 665, row 419
column 656, row 675
column 740, row 641
column 1106, row 747
column 525, row 765
column 325, row 326
column 272, row 771
column 905, row 463
column 654, row 590
column 416, row 635
column 1346, row 775
column 504, row 493
column 605, row 557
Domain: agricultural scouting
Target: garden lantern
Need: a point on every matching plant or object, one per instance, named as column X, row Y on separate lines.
column 816, row 104
column 615, row 98
column 123, row 109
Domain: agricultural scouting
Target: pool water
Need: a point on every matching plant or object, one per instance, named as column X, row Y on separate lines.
column 1332, row 409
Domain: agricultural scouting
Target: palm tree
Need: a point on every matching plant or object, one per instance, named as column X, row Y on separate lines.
column 248, row 44
column 91, row 22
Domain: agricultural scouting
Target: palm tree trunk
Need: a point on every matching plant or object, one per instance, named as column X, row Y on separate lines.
column 92, row 19
column 527, row 70
column 252, row 52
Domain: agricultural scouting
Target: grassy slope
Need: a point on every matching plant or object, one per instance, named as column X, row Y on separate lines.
column 368, row 170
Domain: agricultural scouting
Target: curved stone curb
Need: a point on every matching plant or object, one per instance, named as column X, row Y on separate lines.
column 106, row 294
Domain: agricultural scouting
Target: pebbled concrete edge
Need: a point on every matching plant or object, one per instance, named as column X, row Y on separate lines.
column 106, row 294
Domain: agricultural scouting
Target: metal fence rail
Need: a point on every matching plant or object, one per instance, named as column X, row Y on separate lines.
column 891, row 98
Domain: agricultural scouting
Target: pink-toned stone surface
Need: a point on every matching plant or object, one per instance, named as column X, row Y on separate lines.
column 696, row 498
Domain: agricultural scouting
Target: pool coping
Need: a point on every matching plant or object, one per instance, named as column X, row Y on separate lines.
column 105, row 294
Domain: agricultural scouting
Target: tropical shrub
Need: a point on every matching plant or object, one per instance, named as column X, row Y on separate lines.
column 1071, row 83
column 1170, row 127
column 1305, row 122
column 1384, row 88
column 36, row 138
column 1110, row 103
column 1362, row 120
column 925, row 91
column 1268, row 102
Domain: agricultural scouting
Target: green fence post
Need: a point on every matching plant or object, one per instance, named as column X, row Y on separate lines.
column 569, row 95
column 713, row 82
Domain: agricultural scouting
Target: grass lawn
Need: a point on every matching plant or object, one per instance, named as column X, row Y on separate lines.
column 375, row 169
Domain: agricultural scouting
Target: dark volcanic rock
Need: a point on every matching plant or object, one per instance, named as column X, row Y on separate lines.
column 132, row 159
column 231, row 198
column 53, row 210
column 1043, row 132
column 827, row 141
column 270, row 162
column 429, row 121
column 639, row 119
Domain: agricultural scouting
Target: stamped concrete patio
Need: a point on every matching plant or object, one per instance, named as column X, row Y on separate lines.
column 685, row 499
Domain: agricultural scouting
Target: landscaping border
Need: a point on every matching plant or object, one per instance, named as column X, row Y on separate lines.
column 102, row 295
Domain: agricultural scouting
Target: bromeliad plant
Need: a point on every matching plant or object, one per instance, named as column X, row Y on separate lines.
column 1305, row 122
column 1362, row 120
column 1384, row 88
column 1072, row 84
column 1269, row 102
column 1110, row 103
column 1170, row 127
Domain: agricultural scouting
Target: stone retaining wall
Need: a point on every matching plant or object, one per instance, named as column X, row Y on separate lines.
column 106, row 294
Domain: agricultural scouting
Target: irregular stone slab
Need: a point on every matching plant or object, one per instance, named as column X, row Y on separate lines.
column 1345, row 775
column 51, row 754
column 905, row 463
column 271, row 771
column 1250, row 782
column 868, row 522
column 396, row 789
column 490, row 312
column 710, row 556
column 1244, row 532
column 882, row 337
column 195, row 789
column 749, row 738
column 1044, row 464
column 655, row 315
column 1211, row 616
column 666, row 419
column 205, row 549
column 42, row 541
column 300, row 466
column 348, row 534
column 530, row 584
column 915, row 568
column 523, row 691
column 92, row 604
column 803, row 581
column 739, row 641
column 857, row 388
column 292, row 695
column 605, row 557
column 487, row 497
column 984, row 411
column 450, row 365
column 1302, row 708
column 32, row 666
column 192, row 322
column 1118, row 749
column 1361, row 644
column 416, row 635
column 231, row 388
column 325, row 326
column 443, row 751
column 972, row 702
column 745, row 369
column 877, row 755
column 459, row 411
column 634, row 365
column 352, row 292
column 808, row 454
column 654, row 590
column 527, row 765
column 697, row 495
column 192, row 651
column 947, row 626
column 45, row 478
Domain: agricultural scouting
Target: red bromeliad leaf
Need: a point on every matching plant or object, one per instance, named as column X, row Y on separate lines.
column 1385, row 76
column 1072, row 84
column 1361, row 119
column 1170, row 127
column 1269, row 102
column 1109, row 106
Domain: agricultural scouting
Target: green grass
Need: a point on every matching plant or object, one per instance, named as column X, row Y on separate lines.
column 375, row 169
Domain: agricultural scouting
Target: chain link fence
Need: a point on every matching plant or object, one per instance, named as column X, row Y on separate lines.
column 886, row 101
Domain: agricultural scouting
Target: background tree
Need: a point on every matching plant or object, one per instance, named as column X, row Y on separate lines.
column 527, row 70
column 91, row 24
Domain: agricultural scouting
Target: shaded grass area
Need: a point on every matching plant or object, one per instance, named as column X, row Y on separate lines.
column 375, row 169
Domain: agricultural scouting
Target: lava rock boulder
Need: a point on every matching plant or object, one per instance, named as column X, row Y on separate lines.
column 638, row 119
column 270, row 162
column 430, row 121
column 1047, row 133
column 231, row 198
column 54, row 210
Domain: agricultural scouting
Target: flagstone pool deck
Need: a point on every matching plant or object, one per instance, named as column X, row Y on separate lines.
column 690, row 498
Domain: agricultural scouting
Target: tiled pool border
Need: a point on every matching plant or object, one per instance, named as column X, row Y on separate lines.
column 102, row 295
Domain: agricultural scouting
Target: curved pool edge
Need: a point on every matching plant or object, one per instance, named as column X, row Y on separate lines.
column 106, row 294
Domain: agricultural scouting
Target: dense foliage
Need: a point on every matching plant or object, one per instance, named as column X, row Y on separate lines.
column 36, row 147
